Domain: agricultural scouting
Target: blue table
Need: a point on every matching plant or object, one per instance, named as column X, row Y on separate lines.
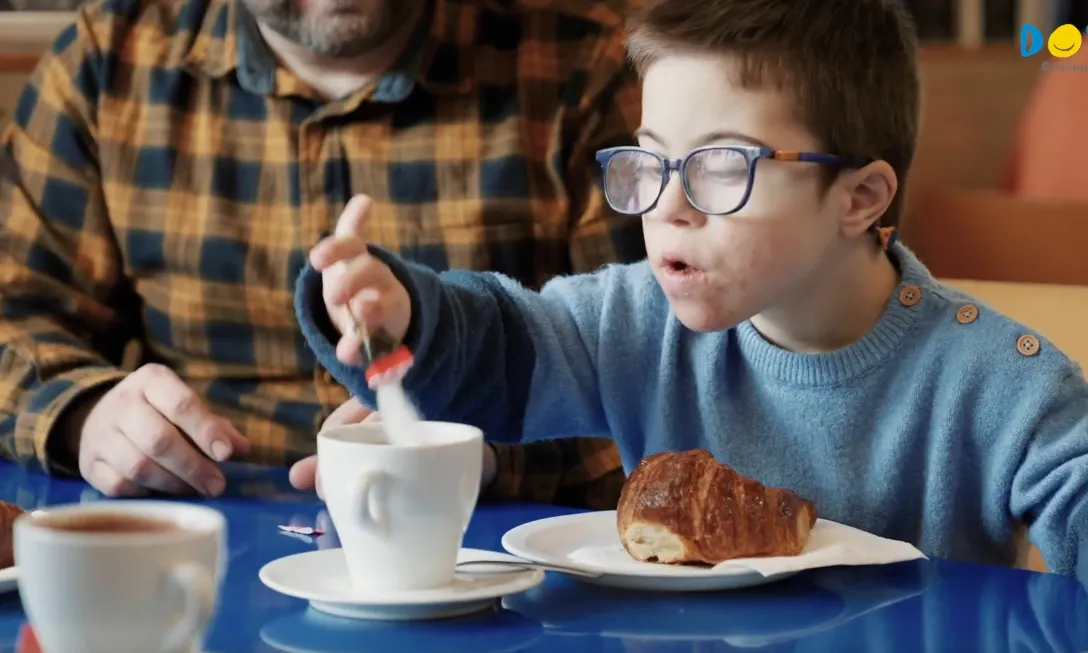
column 918, row 606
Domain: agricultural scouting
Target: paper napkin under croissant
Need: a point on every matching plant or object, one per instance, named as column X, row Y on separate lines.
column 830, row 544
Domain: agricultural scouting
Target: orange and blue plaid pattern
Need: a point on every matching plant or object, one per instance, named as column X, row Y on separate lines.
column 163, row 180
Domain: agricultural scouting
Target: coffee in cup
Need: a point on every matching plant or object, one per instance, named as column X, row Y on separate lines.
column 107, row 523
column 120, row 576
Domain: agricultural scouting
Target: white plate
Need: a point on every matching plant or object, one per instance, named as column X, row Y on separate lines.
column 552, row 540
column 9, row 579
column 321, row 577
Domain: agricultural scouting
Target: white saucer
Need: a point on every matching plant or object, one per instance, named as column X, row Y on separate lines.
column 9, row 579
column 321, row 577
column 553, row 540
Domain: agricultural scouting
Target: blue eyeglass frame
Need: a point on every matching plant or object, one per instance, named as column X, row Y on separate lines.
column 751, row 153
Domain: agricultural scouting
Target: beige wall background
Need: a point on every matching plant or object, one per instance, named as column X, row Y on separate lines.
column 972, row 100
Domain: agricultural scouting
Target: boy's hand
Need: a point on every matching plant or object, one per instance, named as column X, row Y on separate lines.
column 351, row 277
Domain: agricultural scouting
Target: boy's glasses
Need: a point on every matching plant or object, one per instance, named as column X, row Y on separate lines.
column 716, row 179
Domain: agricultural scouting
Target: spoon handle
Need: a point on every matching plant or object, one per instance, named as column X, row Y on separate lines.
column 520, row 564
column 383, row 357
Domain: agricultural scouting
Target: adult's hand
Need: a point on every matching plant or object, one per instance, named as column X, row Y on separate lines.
column 152, row 432
column 304, row 475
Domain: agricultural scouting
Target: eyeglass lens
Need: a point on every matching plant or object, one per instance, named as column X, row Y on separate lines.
column 716, row 180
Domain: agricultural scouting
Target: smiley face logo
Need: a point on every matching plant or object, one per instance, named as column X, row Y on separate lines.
column 1064, row 41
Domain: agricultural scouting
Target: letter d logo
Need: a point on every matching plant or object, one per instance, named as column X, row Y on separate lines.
column 1031, row 40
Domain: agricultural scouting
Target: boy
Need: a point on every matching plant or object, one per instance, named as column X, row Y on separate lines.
column 776, row 322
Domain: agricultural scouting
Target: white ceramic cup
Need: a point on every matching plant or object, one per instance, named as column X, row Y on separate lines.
column 400, row 512
column 120, row 589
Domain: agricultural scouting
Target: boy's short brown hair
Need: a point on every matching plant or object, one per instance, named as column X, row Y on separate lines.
column 850, row 64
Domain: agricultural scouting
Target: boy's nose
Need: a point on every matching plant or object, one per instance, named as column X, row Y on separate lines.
column 673, row 206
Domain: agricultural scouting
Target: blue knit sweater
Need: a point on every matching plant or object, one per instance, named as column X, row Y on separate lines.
column 941, row 427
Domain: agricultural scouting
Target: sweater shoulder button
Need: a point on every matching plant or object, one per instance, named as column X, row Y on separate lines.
column 1027, row 345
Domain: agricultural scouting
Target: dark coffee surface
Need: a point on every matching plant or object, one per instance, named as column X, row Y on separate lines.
column 108, row 523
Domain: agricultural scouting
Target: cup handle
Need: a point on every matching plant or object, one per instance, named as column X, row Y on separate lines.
column 196, row 584
column 367, row 510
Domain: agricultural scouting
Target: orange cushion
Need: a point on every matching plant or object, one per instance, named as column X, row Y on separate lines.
column 1050, row 153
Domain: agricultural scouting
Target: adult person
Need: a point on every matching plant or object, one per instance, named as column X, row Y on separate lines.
column 169, row 165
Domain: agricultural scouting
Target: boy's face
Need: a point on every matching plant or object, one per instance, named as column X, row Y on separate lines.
column 733, row 267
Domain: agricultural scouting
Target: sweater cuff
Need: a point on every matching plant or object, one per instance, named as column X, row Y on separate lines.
column 424, row 291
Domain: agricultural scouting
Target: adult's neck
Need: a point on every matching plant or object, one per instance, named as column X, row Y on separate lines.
column 838, row 306
column 337, row 77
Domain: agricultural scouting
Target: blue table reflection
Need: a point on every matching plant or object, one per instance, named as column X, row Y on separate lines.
column 916, row 606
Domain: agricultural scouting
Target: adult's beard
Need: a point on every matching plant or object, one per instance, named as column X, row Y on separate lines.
column 338, row 28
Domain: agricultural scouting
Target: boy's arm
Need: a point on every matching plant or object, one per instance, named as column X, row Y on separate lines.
column 1050, row 486
column 488, row 352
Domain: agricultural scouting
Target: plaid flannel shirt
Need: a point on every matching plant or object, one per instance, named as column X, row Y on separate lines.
column 163, row 180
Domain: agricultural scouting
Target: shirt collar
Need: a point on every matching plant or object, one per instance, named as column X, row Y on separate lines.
column 439, row 55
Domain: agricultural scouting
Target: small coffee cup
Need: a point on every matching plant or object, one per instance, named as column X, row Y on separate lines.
column 400, row 511
column 120, row 577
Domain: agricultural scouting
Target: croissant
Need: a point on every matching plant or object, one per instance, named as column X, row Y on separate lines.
column 686, row 507
column 8, row 513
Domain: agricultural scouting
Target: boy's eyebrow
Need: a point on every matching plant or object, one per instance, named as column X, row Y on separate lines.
column 642, row 132
column 706, row 139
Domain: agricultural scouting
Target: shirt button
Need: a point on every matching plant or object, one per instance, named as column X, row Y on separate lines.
column 967, row 314
column 910, row 295
column 1027, row 344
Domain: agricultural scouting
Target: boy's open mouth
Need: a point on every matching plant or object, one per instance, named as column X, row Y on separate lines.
column 677, row 266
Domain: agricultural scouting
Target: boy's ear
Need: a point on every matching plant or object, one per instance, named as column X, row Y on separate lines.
column 870, row 191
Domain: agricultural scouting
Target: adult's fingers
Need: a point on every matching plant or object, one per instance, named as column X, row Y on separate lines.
column 180, row 404
column 303, row 473
column 164, row 444
column 106, row 480
column 239, row 444
column 135, row 466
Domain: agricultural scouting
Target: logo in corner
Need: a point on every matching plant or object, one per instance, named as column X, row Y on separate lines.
column 1064, row 41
